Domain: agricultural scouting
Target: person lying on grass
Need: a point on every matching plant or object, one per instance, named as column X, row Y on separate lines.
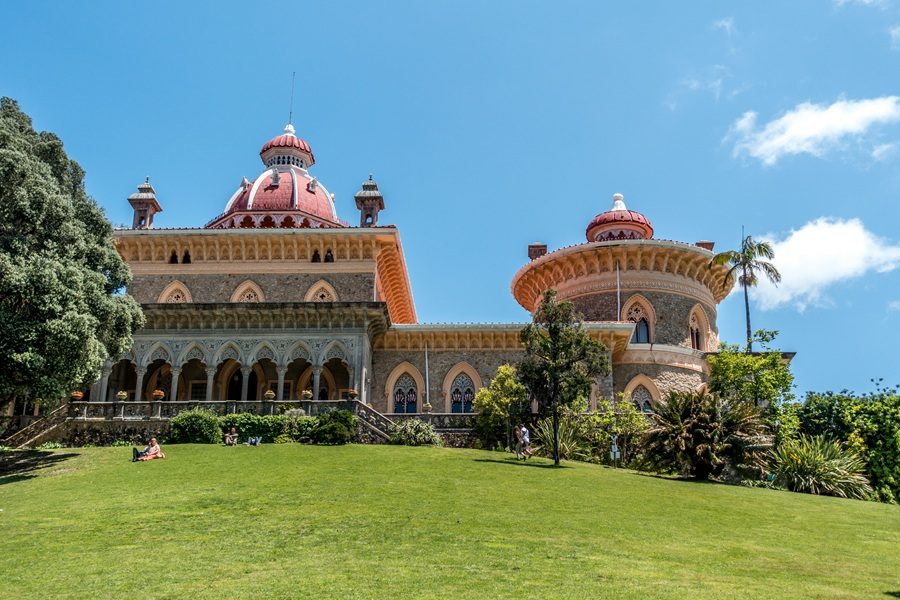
column 151, row 452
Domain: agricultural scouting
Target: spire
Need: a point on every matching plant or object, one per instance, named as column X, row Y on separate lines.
column 289, row 129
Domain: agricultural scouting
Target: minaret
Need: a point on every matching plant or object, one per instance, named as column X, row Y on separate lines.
column 369, row 201
column 145, row 206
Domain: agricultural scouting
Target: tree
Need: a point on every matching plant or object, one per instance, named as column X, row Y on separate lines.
column 698, row 434
column 497, row 404
column 748, row 261
column 764, row 378
column 62, row 312
column 561, row 359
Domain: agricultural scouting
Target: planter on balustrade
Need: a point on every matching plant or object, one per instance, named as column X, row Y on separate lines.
column 269, row 395
column 77, row 395
column 426, row 407
column 306, row 395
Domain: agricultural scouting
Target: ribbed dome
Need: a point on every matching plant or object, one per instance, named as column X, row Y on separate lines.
column 619, row 223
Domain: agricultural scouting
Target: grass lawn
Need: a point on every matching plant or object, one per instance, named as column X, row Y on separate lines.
column 292, row 521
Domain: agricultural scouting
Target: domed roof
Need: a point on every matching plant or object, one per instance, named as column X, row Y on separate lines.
column 619, row 223
column 284, row 195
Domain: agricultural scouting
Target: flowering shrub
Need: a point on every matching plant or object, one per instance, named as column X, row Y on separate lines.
column 415, row 432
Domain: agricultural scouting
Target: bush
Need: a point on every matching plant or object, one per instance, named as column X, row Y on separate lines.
column 302, row 428
column 196, row 426
column 573, row 442
column 334, row 428
column 415, row 432
column 698, row 435
column 267, row 427
column 121, row 444
column 51, row 446
column 820, row 465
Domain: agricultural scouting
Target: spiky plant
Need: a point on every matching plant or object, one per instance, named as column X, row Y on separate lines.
column 820, row 465
column 573, row 442
column 697, row 434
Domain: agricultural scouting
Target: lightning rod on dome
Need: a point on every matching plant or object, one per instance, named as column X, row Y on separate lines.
column 291, row 111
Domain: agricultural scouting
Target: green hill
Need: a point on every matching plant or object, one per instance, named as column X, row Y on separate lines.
column 292, row 521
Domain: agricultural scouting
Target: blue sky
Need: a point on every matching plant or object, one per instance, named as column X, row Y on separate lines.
column 490, row 125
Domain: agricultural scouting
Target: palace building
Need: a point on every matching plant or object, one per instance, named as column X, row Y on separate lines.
column 279, row 299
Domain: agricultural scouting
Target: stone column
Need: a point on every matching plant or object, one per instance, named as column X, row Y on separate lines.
column 210, row 374
column 245, row 381
column 317, row 371
column 282, row 371
column 104, row 383
column 139, row 385
column 173, row 391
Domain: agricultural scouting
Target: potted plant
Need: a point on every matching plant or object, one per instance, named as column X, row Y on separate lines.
column 77, row 395
column 426, row 407
column 269, row 395
column 158, row 394
column 306, row 395
column 352, row 394
column 122, row 396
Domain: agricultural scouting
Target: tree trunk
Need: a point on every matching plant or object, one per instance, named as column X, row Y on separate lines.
column 555, row 435
column 747, row 310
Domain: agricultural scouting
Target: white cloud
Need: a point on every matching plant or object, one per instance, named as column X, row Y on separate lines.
column 894, row 305
column 819, row 255
column 726, row 25
column 878, row 3
column 894, row 32
column 883, row 151
column 811, row 128
column 711, row 80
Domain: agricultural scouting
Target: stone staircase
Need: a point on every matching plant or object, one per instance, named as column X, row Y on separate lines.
column 374, row 423
column 39, row 431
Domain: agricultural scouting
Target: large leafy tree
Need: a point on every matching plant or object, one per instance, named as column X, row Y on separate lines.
column 561, row 359
column 763, row 378
column 498, row 404
column 61, row 307
column 751, row 261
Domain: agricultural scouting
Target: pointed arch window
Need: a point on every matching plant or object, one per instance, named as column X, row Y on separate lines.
column 247, row 292
column 175, row 293
column 696, row 336
column 638, row 316
column 321, row 291
column 406, row 394
column 642, row 399
column 462, row 394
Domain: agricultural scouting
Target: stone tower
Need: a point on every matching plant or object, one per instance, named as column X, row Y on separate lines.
column 369, row 201
column 145, row 206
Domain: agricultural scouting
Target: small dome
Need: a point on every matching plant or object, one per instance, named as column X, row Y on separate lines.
column 287, row 148
column 619, row 223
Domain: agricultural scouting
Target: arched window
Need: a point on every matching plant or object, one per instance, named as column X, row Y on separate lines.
column 329, row 257
column 316, row 257
column 698, row 326
column 462, row 394
column 321, row 291
column 173, row 260
column 642, row 399
column 637, row 314
column 696, row 340
column 406, row 395
column 247, row 292
column 175, row 293
column 186, row 259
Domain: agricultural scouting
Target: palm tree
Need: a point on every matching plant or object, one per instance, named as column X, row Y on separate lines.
column 748, row 260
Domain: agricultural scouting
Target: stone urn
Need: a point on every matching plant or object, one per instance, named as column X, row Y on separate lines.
column 122, row 396
column 306, row 395
column 158, row 394
column 77, row 395
column 352, row 394
column 426, row 407
column 269, row 395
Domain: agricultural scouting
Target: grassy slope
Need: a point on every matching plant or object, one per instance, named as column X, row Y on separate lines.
column 297, row 521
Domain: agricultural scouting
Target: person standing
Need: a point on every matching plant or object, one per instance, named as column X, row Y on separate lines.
column 517, row 431
column 526, row 443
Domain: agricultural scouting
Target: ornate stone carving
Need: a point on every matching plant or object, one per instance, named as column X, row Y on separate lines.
column 194, row 353
column 160, row 354
column 265, row 352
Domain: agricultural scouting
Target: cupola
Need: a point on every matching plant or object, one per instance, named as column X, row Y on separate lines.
column 145, row 205
column 619, row 223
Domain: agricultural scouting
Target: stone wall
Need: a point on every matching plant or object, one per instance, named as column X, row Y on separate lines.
column 440, row 362
column 666, row 378
column 673, row 314
column 350, row 287
column 103, row 433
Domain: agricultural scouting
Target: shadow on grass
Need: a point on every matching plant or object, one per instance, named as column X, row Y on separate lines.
column 18, row 465
column 521, row 463
column 892, row 594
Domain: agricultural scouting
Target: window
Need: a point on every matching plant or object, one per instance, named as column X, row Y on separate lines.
column 329, row 257
column 696, row 333
column 638, row 315
column 316, row 257
column 462, row 394
column 642, row 399
column 173, row 260
column 405, row 395
column 198, row 390
column 186, row 259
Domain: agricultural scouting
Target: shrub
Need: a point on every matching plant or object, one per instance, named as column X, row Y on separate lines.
column 51, row 446
column 284, row 438
column 573, row 443
column 498, row 405
column 120, row 444
column 820, row 465
column 302, row 428
column 334, row 428
column 267, row 427
column 196, row 426
column 415, row 432
column 697, row 434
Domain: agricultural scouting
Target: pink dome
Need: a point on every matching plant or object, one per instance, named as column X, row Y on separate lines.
column 619, row 223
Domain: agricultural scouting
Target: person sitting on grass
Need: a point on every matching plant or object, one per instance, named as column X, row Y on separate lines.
column 231, row 438
column 151, row 452
column 253, row 441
